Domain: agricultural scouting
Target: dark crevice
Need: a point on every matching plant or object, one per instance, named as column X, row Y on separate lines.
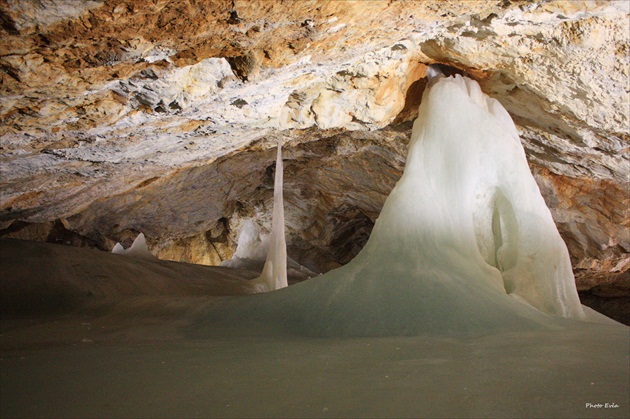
column 10, row 72
column 8, row 24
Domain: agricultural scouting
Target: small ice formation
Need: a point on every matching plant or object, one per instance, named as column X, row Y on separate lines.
column 138, row 249
column 464, row 243
column 251, row 248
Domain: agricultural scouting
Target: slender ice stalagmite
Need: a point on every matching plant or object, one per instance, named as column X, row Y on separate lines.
column 274, row 274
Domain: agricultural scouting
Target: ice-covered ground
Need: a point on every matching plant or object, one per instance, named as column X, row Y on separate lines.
column 144, row 345
column 535, row 374
column 138, row 359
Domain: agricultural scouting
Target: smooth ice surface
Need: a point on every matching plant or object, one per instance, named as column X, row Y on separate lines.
column 138, row 249
column 149, row 340
column 529, row 375
column 464, row 243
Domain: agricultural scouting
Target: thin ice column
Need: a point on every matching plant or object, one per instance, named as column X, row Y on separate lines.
column 274, row 274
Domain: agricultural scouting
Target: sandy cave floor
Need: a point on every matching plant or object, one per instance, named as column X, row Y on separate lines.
column 116, row 353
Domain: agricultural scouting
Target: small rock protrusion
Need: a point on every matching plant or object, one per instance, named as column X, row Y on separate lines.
column 245, row 67
column 239, row 103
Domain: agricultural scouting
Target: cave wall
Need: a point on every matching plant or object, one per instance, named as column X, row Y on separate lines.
column 161, row 117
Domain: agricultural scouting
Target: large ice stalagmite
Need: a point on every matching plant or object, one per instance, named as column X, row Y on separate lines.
column 464, row 242
column 467, row 187
column 274, row 274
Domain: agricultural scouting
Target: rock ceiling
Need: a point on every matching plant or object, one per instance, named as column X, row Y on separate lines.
column 162, row 116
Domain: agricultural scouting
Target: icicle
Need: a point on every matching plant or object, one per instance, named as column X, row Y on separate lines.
column 274, row 274
column 138, row 249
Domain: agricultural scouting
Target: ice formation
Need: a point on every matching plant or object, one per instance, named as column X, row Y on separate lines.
column 464, row 243
column 138, row 249
column 466, row 154
column 251, row 249
column 274, row 274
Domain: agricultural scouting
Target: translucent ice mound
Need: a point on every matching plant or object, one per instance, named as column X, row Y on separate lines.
column 464, row 243
column 251, row 248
